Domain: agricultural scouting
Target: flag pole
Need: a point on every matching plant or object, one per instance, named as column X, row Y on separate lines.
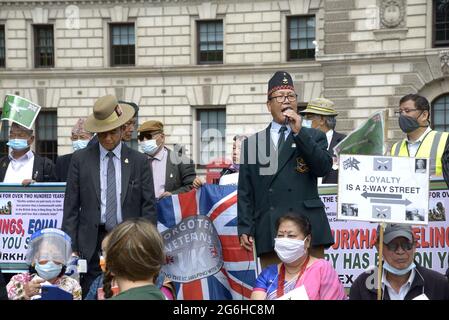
column 379, row 267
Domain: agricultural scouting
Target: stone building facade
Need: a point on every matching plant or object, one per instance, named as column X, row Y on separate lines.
column 368, row 54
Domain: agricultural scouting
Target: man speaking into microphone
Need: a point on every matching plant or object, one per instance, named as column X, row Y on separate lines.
column 279, row 167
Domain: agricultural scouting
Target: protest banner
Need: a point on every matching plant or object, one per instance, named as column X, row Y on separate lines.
column 354, row 251
column 23, row 211
column 203, row 254
column 20, row 110
column 41, row 205
column 383, row 189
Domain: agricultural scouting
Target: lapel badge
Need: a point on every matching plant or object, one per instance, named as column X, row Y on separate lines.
column 4, row 165
column 126, row 160
column 301, row 165
column 171, row 175
column 293, row 145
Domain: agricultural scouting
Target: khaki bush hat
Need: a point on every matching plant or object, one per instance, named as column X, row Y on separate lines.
column 108, row 115
column 152, row 125
column 321, row 106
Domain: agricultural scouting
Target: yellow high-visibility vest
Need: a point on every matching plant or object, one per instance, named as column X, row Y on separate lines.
column 431, row 147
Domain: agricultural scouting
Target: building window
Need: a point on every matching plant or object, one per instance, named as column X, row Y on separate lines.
column 2, row 46
column 210, row 42
column 440, row 113
column 441, row 23
column 46, row 139
column 211, row 134
column 43, row 46
column 123, row 44
column 301, row 34
column 4, row 137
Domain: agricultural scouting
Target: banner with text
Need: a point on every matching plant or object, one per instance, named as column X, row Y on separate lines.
column 354, row 250
column 383, row 189
column 23, row 211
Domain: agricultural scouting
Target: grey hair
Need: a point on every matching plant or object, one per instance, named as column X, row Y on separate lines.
column 331, row 121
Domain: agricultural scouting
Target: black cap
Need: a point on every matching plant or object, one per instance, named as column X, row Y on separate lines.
column 279, row 81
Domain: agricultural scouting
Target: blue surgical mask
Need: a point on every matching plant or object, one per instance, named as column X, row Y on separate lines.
column 398, row 272
column 307, row 123
column 18, row 144
column 79, row 144
column 149, row 147
column 48, row 271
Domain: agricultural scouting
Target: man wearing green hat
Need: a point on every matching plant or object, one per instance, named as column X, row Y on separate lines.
column 107, row 183
column 320, row 114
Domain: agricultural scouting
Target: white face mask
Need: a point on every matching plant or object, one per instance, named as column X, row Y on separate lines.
column 289, row 250
column 307, row 123
column 149, row 147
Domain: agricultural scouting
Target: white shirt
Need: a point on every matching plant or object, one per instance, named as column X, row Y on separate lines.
column 413, row 146
column 20, row 169
column 274, row 132
column 329, row 135
column 402, row 291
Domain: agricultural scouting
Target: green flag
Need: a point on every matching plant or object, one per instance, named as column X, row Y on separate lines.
column 20, row 110
column 367, row 139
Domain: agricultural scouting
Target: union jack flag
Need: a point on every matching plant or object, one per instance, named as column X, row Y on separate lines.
column 236, row 278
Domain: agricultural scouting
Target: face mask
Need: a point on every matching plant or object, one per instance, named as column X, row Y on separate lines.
column 408, row 124
column 149, row 147
column 48, row 271
column 18, row 144
column 398, row 272
column 307, row 123
column 79, row 144
column 289, row 250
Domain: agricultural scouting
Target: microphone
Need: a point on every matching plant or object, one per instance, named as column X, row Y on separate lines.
column 286, row 121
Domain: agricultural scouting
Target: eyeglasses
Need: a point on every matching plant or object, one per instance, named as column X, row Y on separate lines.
column 147, row 135
column 406, row 111
column 406, row 245
column 290, row 97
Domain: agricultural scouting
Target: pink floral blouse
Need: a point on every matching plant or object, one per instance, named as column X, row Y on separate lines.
column 16, row 290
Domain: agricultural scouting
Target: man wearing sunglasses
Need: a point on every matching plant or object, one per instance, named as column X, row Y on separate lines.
column 402, row 277
column 172, row 173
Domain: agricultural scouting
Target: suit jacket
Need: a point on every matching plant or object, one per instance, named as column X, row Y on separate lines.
column 272, row 185
column 332, row 177
column 82, row 203
column 43, row 169
column 62, row 167
column 179, row 173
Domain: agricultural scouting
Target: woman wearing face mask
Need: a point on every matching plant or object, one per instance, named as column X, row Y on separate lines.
column 297, row 268
column 48, row 253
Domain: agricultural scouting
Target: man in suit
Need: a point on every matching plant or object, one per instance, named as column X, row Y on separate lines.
column 107, row 183
column 320, row 114
column 173, row 172
column 278, row 174
column 80, row 139
column 22, row 165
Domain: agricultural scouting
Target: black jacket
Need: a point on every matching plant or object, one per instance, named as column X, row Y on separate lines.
column 332, row 177
column 433, row 284
column 62, row 167
column 43, row 169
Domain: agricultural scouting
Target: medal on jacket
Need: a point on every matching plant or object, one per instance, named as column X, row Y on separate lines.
column 301, row 165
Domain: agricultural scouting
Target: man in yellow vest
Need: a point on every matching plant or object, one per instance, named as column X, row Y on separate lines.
column 421, row 141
